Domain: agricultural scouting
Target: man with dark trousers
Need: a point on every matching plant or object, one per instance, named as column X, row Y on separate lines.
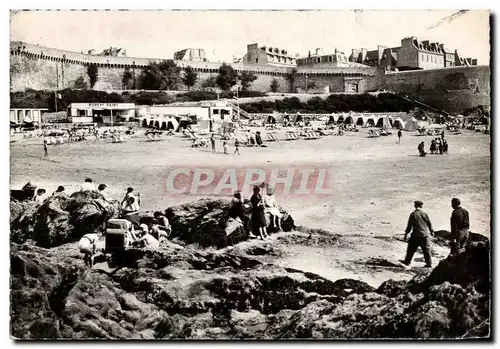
column 420, row 227
column 459, row 226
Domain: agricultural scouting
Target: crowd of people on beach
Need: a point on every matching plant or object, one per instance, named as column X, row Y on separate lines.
column 439, row 145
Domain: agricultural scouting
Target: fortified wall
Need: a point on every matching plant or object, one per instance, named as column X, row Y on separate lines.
column 452, row 89
column 38, row 67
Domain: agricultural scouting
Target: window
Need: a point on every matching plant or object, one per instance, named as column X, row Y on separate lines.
column 82, row 112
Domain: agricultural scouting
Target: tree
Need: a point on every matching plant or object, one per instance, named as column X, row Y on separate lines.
column 127, row 79
column 164, row 75
column 210, row 82
column 274, row 85
column 80, row 83
column 246, row 79
column 311, row 84
column 93, row 72
column 190, row 77
column 227, row 77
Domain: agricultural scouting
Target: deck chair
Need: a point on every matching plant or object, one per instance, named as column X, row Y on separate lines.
column 270, row 137
column 150, row 137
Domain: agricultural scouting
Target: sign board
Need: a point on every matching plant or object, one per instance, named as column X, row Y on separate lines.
column 121, row 106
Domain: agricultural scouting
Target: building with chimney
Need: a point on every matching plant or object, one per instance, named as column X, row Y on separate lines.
column 266, row 55
column 319, row 59
column 413, row 54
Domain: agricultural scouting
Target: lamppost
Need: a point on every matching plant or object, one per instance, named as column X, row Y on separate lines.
column 238, row 101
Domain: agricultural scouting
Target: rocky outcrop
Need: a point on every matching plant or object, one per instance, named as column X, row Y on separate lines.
column 182, row 292
column 178, row 292
column 205, row 222
column 60, row 219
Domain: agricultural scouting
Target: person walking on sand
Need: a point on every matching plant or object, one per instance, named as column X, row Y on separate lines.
column 45, row 148
column 224, row 145
column 420, row 227
column 400, row 135
column 460, row 225
column 237, row 146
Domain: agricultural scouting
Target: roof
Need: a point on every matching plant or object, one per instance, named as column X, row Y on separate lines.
column 28, row 109
column 372, row 54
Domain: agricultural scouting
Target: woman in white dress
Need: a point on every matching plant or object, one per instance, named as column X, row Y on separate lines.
column 271, row 207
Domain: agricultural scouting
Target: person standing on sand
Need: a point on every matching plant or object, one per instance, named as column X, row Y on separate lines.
column 45, row 148
column 400, row 135
column 224, row 145
column 421, row 149
column 212, row 141
column 420, row 227
column 237, row 146
column 459, row 226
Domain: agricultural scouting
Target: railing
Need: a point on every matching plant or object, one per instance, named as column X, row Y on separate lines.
column 236, row 109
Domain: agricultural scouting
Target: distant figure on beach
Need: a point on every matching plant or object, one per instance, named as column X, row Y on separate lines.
column 224, row 145
column 421, row 149
column 400, row 135
column 45, row 148
column 237, row 146
column 433, row 148
column 212, row 142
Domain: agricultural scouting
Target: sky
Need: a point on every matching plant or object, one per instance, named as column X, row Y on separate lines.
column 225, row 34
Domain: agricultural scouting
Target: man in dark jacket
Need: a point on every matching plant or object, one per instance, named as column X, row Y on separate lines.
column 420, row 227
column 459, row 226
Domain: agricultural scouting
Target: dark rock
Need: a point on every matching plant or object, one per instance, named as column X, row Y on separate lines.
column 471, row 267
column 60, row 219
column 205, row 222
column 392, row 288
column 176, row 292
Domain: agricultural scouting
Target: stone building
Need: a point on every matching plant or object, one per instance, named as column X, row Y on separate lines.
column 272, row 56
column 191, row 54
column 113, row 52
column 413, row 54
column 336, row 59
